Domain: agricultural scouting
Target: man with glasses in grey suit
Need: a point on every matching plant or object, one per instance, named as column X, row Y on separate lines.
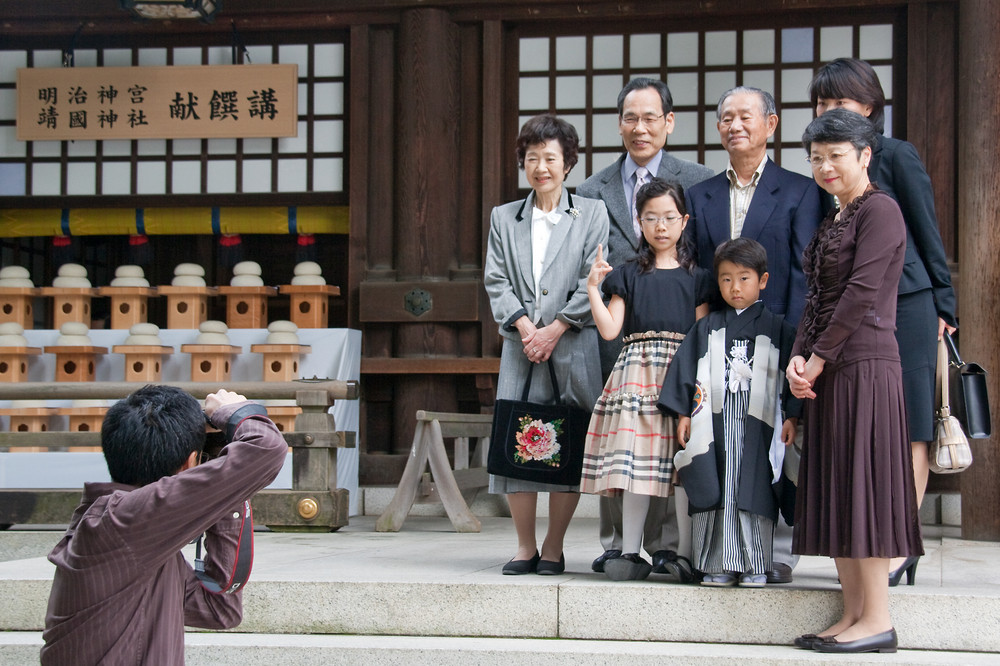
column 645, row 118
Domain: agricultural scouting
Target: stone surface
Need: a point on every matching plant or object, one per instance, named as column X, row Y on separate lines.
column 208, row 649
column 428, row 580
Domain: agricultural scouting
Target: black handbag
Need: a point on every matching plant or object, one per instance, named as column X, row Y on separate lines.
column 967, row 386
column 538, row 442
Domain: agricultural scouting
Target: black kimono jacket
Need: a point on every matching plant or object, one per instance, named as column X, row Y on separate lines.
column 694, row 387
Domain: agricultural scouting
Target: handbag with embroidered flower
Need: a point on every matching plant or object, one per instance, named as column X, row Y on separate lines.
column 536, row 441
column 950, row 451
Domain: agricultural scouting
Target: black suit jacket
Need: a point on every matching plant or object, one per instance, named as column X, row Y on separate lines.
column 783, row 215
column 897, row 170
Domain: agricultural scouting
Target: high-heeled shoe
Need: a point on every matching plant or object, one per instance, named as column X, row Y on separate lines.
column 909, row 567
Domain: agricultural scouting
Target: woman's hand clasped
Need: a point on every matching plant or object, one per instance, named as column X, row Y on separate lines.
column 539, row 343
column 802, row 374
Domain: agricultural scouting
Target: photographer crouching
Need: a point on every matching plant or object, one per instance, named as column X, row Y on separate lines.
column 122, row 591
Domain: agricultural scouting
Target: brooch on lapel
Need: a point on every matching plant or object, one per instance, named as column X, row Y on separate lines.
column 573, row 212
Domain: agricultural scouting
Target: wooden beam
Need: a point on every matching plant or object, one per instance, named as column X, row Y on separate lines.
column 448, row 301
column 430, row 366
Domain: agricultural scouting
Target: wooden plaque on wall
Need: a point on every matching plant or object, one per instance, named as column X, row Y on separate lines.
column 182, row 102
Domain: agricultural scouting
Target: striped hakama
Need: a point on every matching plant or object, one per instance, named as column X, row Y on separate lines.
column 630, row 443
column 727, row 539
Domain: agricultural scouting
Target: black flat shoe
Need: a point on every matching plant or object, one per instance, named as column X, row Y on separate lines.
column 660, row 559
column 550, row 568
column 909, row 567
column 670, row 563
column 627, row 567
column 598, row 565
column 884, row 642
column 521, row 567
column 807, row 641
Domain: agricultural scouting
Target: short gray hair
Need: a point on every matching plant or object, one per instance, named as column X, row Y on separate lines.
column 767, row 105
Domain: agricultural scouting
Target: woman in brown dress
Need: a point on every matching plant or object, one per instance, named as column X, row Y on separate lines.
column 856, row 499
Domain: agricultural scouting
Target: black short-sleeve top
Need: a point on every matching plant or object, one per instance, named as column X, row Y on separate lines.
column 661, row 300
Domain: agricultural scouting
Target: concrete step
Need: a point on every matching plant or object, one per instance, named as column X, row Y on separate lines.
column 427, row 580
column 17, row 649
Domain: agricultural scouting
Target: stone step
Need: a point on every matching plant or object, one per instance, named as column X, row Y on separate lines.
column 427, row 580
column 210, row 649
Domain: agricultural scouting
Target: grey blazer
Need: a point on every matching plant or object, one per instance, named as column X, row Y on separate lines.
column 606, row 185
column 511, row 289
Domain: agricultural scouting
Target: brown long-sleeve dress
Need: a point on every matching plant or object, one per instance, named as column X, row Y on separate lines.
column 855, row 495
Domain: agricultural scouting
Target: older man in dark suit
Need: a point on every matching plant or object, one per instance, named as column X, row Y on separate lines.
column 755, row 198
column 645, row 118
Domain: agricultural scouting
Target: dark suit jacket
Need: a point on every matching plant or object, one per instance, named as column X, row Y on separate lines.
column 782, row 217
column 606, row 185
column 897, row 170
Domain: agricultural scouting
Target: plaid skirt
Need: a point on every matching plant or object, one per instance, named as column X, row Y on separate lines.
column 630, row 443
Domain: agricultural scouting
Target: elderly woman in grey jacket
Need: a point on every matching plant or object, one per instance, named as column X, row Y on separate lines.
column 538, row 256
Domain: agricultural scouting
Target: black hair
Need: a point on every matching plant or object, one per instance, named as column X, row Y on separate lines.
column 850, row 78
column 742, row 252
column 840, row 126
column 641, row 83
column 544, row 128
column 657, row 187
column 151, row 433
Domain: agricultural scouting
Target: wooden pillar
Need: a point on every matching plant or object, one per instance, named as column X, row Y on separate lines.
column 979, row 245
column 426, row 220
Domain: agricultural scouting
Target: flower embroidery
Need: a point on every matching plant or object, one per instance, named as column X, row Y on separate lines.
column 537, row 440
column 574, row 212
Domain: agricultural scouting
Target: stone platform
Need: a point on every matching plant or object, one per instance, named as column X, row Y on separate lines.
column 429, row 595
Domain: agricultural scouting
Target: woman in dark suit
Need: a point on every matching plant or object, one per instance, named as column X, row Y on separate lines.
column 926, row 305
column 538, row 257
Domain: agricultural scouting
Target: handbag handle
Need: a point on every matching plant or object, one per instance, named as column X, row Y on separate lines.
column 952, row 348
column 552, row 376
column 944, row 404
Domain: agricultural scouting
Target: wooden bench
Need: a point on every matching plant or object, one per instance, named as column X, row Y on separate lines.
column 443, row 484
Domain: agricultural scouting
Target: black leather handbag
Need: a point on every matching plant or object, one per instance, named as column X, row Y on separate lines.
column 967, row 386
column 538, row 442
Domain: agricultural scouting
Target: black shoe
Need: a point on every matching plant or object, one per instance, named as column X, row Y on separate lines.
column 550, row 568
column 672, row 564
column 627, row 567
column 598, row 565
column 909, row 567
column 807, row 641
column 521, row 567
column 780, row 573
column 884, row 642
column 660, row 559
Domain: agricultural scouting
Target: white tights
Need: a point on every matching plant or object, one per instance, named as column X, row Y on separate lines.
column 634, row 510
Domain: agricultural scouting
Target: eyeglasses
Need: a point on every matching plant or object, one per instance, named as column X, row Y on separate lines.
column 670, row 220
column 817, row 161
column 648, row 120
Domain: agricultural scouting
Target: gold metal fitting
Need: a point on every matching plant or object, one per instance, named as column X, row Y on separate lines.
column 308, row 508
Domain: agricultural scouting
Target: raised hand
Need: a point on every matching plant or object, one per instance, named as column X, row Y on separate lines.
column 599, row 269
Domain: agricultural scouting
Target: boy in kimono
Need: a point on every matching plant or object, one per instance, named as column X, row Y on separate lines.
column 725, row 386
